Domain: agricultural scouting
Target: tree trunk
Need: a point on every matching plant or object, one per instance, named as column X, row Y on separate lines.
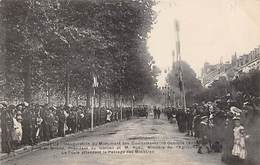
column 109, row 100
column 67, row 94
column 77, row 100
column 2, row 61
column 48, row 96
column 99, row 106
column 88, row 100
column 114, row 100
column 99, row 100
column 27, row 78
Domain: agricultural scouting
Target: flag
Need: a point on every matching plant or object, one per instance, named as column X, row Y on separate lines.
column 177, row 26
column 178, row 48
column 95, row 82
column 178, row 45
column 180, row 84
column 180, row 79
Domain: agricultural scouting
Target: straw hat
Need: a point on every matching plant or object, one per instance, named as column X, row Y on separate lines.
column 26, row 104
column 235, row 110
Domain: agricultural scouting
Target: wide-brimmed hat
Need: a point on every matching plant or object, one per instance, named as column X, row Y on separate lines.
column 235, row 110
column 25, row 104
column 4, row 104
column 204, row 118
column 20, row 105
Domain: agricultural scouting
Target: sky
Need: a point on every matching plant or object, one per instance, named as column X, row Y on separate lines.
column 210, row 30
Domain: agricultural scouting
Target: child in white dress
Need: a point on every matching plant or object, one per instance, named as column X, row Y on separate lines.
column 239, row 147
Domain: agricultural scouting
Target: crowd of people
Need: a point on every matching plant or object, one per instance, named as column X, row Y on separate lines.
column 28, row 124
column 225, row 126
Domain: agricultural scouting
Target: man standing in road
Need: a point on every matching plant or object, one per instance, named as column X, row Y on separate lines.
column 154, row 112
column 189, row 117
column 159, row 112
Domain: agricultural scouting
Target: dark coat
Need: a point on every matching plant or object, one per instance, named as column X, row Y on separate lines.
column 7, row 127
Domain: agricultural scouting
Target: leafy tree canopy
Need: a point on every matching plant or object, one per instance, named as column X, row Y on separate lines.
column 51, row 42
column 191, row 84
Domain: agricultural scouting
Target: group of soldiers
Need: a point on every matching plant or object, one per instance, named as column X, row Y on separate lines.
column 28, row 124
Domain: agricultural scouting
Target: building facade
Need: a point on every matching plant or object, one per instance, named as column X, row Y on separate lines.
column 242, row 64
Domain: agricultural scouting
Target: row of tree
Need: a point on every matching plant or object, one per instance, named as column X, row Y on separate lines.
column 58, row 46
column 242, row 88
column 191, row 83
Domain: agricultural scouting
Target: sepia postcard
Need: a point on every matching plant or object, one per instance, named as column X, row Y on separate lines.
column 130, row 82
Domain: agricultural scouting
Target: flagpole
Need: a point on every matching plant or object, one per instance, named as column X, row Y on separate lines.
column 132, row 106
column 92, row 109
column 121, row 110
column 95, row 84
column 179, row 60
